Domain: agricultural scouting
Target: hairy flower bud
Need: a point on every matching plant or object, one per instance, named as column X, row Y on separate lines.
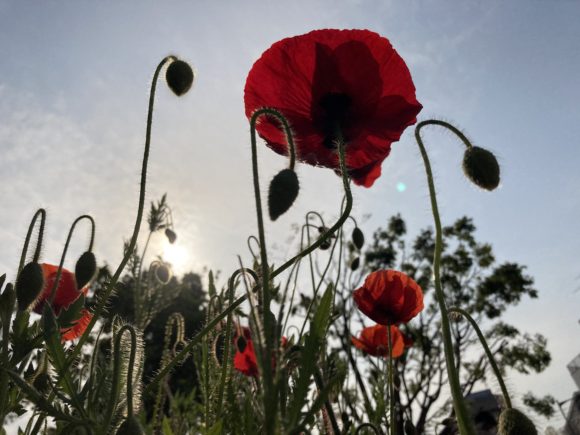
column 179, row 76
column 171, row 236
column 358, row 238
column 514, row 422
column 130, row 426
column 481, row 167
column 85, row 269
column 355, row 264
column 29, row 285
column 283, row 192
column 163, row 273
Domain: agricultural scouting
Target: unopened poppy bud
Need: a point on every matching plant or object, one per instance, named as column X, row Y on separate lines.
column 283, row 192
column 179, row 76
column 85, row 269
column 514, row 422
column 29, row 285
column 358, row 238
column 481, row 167
column 171, row 236
column 241, row 344
column 410, row 428
column 130, row 426
column 163, row 273
column 355, row 264
column 325, row 245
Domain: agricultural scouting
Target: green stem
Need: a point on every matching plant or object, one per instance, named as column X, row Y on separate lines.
column 42, row 213
column 490, row 357
column 392, row 422
column 66, row 245
column 464, row 422
column 111, row 285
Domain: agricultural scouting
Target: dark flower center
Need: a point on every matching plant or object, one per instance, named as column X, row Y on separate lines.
column 335, row 108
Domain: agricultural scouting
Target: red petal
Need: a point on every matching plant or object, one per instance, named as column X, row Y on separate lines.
column 78, row 327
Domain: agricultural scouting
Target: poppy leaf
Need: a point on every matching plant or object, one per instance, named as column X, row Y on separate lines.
column 71, row 314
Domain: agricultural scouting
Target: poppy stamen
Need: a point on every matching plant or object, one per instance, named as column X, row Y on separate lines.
column 336, row 107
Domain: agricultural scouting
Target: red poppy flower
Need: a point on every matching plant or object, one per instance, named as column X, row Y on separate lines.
column 66, row 294
column 351, row 79
column 389, row 297
column 373, row 340
column 245, row 358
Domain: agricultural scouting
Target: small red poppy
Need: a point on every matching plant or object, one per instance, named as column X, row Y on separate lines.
column 351, row 79
column 373, row 340
column 389, row 297
column 66, row 294
column 245, row 358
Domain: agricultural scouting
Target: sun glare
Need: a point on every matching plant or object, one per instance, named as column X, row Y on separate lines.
column 178, row 257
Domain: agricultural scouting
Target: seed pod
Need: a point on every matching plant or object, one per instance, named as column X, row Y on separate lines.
column 171, row 236
column 358, row 238
column 514, row 422
column 179, row 76
column 85, row 269
column 355, row 264
column 481, row 167
column 29, row 285
column 283, row 192
column 130, row 426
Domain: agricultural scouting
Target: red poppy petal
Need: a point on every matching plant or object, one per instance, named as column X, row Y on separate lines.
column 66, row 292
column 78, row 328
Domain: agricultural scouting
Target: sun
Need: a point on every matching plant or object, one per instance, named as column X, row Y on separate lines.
column 178, row 256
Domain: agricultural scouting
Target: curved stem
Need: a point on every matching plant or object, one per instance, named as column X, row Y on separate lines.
column 490, row 357
column 463, row 420
column 66, row 245
column 365, row 425
column 446, row 125
column 111, row 285
column 42, row 213
column 393, row 425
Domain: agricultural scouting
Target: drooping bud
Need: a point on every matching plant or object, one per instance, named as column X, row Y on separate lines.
column 358, row 238
column 29, row 285
column 163, row 273
column 514, row 422
column 130, row 426
column 85, row 269
column 355, row 264
column 481, row 167
column 241, row 343
column 283, row 192
column 171, row 236
column 179, row 76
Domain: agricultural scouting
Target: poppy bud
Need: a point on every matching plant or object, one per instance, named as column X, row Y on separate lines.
column 514, row 422
column 171, row 236
column 410, row 428
column 481, row 167
column 355, row 264
column 29, row 285
column 179, row 76
column 325, row 245
column 130, row 426
column 85, row 269
column 358, row 238
column 163, row 273
column 241, row 343
column 283, row 192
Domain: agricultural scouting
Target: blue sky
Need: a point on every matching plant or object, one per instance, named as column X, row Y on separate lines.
column 73, row 92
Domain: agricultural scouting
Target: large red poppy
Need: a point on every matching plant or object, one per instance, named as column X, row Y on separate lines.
column 373, row 340
column 389, row 297
column 66, row 293
column 351, row 79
